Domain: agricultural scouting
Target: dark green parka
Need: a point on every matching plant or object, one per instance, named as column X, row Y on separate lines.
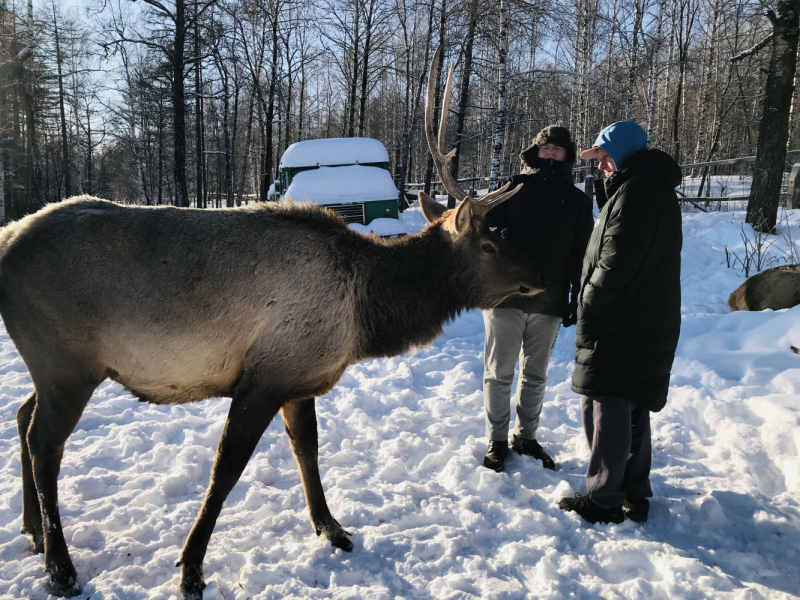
column 629, row 308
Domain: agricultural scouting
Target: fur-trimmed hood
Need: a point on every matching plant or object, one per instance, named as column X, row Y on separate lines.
column 552, row 134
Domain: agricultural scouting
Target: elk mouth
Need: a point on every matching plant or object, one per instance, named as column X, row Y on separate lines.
column 532, row 290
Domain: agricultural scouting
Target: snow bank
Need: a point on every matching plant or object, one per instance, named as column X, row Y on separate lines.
column 342, row 185
column 722, row 186
column 334, row 151
column 401, row 442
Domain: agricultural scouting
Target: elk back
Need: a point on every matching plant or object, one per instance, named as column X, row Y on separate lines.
column 774, row 288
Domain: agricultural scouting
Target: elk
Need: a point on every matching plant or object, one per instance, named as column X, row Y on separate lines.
column 267, row 305
column 774, row 288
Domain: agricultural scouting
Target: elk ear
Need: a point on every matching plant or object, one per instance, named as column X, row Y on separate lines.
column 463, row 216
column 431, row 210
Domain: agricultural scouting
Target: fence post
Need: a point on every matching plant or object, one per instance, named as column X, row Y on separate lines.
column 588, row 186
column 399, row 181
column 793, row 192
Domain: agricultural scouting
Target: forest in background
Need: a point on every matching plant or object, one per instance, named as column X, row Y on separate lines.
column 193, row 102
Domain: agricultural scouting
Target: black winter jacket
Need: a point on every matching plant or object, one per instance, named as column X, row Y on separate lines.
column 550, row 220
column 629, row 309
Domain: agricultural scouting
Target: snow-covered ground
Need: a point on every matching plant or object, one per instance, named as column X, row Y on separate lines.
column 401, row 445
column 722, row 186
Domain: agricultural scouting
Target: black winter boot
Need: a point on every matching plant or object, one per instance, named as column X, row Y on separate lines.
column 495, row 458
column 636, row 509
column 586, row 508
column 532, row 448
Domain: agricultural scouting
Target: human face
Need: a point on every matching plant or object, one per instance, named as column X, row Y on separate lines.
column 552, row 151
column 606, row 163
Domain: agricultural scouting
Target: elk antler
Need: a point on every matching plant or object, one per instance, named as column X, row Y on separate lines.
column 440, row 159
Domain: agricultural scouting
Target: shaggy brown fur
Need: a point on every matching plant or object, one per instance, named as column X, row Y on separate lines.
column 266, row 304
column 775, row 288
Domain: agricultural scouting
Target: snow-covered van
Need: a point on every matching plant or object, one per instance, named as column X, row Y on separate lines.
column 350, row 176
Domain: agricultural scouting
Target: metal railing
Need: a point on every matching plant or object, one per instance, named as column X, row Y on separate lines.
column 721, row 173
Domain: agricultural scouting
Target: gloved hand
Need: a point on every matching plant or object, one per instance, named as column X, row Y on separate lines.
column 571, row 314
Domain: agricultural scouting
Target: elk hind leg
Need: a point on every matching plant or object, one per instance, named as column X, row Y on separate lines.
column 31, row 513
column 54, row 417
column 300, row 419
column 249, row 416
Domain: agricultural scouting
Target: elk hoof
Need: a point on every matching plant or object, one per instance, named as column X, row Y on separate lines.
column 336, row 535
column 36, row 541
column 340, row 540
column 192, row 584
column 65, row 587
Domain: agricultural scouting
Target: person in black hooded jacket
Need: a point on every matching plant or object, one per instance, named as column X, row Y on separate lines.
column 628, row 321
column 550, row 220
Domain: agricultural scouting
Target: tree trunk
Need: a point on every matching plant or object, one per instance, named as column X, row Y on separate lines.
column 688, row 14
column 64, row 140
column 287, row 115
column 587, row 51
column 160, row 147
column 226, row 134
column 87, row 186
column 664, row 103
column 198, row 116
column 140, row 181
column 362, row 113
column 705, row 98
column 246, row 156
column 407, row 157
column 400, row 150
column 466, row 73
column 178, row 107
column 351, row 97
column 762, row 209
column 301, row 102
column 230, row 148
column 266, row 173
column 638, row 14
column 500, row 119
column 652, row 93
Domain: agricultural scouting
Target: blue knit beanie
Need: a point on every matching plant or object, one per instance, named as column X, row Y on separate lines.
column 622, row 139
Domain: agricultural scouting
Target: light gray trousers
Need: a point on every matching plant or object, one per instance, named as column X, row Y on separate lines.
column 512, row 333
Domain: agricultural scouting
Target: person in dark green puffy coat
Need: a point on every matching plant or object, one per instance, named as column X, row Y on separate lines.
column 628, row 320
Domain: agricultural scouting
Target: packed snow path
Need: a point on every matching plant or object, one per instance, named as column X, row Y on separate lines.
column 401, row 446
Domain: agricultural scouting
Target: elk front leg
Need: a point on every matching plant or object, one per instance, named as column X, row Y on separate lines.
column 249, row 416
column 300, row 419
column 31, row 513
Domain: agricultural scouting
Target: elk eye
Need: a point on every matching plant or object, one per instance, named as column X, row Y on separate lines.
column 488, row 248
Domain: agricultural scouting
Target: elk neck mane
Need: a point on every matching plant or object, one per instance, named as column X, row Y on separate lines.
column 409, row 289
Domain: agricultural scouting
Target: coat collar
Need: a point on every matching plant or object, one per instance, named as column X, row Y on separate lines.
column 548, row 169
column 651, row 163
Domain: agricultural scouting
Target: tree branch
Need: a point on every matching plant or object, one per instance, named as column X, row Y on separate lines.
column 122, row 38
column 191, row 21
column 751, row 51
column 163, row 9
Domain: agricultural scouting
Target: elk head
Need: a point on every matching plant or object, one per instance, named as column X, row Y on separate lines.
column 498, row 271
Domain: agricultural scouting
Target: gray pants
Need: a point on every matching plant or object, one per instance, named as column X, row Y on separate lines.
column 618, row 432
column 510, row 333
